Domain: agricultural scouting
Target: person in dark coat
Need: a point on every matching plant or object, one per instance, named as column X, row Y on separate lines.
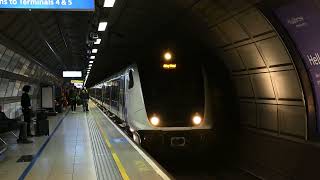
column 85, row 99
column 13, row 124
column 73, row 99
column 26, row 108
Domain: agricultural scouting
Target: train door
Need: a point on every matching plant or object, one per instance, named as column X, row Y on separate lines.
column 121, row 97
column 128, row 90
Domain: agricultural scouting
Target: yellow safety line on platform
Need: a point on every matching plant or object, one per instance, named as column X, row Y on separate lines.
column 114, row 154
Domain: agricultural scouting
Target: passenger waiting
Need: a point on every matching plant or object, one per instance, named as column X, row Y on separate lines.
column 85, row 98
column 26, row 108
column 73, row 99
column 13, row 123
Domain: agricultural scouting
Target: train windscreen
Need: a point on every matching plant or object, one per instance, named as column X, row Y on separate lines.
column 173, row 94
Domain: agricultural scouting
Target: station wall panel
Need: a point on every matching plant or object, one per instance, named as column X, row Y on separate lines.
column 25, row 66
column 254, row 23
column 274, row 52
column 2, row 50
column 18, row 71
column 292, row 120
column 16, row 88
column 3, row 87
column 263, row 86
column 251, row 56
column 249, row 115
column 233, row 31
column 218, row 39
column 13, row 62
column 6, row 57
column 268, row 117
column 287, row 85
column 10, row 88
column 266, row 81
column 244, row 87
column 233, row 60
column 19, row 66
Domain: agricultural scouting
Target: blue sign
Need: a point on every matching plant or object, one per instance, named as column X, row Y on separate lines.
column 74, row 5
column 301, row 20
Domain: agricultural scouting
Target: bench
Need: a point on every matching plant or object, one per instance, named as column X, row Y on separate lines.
column 5, row 128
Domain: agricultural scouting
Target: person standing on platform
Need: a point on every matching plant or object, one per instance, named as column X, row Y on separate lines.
column 26, row 108
column 85, row 99
column 73, row 99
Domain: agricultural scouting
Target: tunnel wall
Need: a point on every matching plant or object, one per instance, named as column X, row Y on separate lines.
column 16, row 71
column 268, row 87
column 273, row 115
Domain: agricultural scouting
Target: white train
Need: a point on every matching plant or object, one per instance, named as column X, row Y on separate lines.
column 161, row 106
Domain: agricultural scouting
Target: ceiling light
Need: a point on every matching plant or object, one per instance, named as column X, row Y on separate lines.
column 108, row 3
column 91, row 62
column 98, row 41
column 94, row 51
column 102, row 26
column 92, row 57
column 89, row 68
column 90, row 65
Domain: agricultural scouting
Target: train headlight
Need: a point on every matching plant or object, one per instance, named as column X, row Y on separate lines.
column 154, row 120
column 196, row 119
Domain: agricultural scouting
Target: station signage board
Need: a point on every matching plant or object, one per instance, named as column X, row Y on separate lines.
column 76, row 81
column 56, row 5
column 301, row 20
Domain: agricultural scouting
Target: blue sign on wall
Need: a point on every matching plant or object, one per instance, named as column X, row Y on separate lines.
column 301, row 20
column 73, row 5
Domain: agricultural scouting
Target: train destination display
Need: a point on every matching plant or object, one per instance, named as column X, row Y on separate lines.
column 65, row 5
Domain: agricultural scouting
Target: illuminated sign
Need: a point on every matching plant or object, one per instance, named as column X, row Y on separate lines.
column 71, row 73
column 169, row 66
column 81, row 5
column 76, row 81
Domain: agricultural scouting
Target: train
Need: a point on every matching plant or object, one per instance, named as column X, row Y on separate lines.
column 160, row 105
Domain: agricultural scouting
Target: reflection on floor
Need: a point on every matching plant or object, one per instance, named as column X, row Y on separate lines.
column 86, row 145
column 67, row 155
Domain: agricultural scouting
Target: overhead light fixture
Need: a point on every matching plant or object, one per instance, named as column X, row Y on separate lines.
column 102, row 26
column 109, row 3
column 94, row 51
column 98, row 41
column 90, row 65
column 91, row 62
column 92, row 57
column 89, row 68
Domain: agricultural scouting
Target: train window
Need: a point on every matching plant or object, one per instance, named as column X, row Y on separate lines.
column 131, row 82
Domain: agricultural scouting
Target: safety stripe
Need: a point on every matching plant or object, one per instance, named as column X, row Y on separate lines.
column 114, row 154
column 151, row 162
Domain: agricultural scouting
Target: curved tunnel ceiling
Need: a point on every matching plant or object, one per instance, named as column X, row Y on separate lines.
column 267, row 83
column 55, row 39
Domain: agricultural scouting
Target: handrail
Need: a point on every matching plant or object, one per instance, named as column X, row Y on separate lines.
column 5, row 146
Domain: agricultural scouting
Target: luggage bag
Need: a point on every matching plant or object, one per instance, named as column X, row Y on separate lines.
column 42, row 128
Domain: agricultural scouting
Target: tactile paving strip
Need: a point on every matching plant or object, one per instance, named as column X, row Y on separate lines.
column 105, row 166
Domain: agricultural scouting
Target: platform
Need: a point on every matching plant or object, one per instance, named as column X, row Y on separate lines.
column 82, row 145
